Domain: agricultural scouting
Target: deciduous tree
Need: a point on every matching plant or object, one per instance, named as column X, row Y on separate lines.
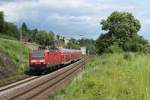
column 121, row 29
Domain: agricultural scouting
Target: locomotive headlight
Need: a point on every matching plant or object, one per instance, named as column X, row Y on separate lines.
column 41, row 60
column 33, row 61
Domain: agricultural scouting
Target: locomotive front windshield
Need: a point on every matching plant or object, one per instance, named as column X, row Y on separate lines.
column 38, row 54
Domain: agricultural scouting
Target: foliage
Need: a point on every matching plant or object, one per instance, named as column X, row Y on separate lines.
column 24, row 27
column 121, row 24
column 89, row 44
column 45, row 38
column 32, row 37
column 122, row 30
column 8, row 29
column 114, row 48
column 1, row 21
column 73, row 44
column 25, row 31
column 111, row 77
column 135, row 44
column 11, row 30
column 103, row 42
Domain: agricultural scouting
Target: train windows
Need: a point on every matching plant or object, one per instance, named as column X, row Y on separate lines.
column 38, row 54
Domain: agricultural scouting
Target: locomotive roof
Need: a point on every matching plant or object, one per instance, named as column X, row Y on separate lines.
column 60, row 49
column 64, row 49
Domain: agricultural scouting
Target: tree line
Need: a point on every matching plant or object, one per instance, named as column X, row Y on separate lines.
column 33, row 35
column 84, row 42
column 40, row 37
column 8, row 28
column 121, row 35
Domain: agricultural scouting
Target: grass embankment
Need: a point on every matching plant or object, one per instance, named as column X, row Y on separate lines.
column 7, row 37
column 111, row 77
column 17, row 52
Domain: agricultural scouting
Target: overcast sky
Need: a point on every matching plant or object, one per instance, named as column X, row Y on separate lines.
column 73, row 17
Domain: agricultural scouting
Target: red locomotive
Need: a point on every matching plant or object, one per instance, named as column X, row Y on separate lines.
column 43, row 59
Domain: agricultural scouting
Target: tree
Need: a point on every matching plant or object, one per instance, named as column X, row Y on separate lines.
column 73, row 44
column 25, row 31
column 7, row 28
column 103, row 43
column 121, row 24
column 11, row 30
column 24, row 26
column 121, row 29
column 33, row 33
column 1, row 21
column 89, row 44
column 44, row 38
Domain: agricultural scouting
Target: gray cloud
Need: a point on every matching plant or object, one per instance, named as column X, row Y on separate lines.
column 73, row 16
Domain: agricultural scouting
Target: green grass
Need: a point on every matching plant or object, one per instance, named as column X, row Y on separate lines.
column 7, row 37
column 111, row 77
column 17, row 51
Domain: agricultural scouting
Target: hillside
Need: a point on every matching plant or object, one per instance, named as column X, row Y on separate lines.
column 13, row 57
column 111, row 77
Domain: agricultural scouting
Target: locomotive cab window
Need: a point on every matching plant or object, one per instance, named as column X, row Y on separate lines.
column 38, row 54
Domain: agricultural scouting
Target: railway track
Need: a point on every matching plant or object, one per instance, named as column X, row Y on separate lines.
column 36, row 87
column 3, row 88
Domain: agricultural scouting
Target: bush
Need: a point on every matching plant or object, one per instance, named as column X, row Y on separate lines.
column 115, row 49
column 128, row 56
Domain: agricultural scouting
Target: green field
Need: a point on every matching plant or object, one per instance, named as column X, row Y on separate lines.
column 111, row 77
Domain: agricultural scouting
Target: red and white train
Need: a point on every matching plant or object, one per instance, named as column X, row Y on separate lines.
column 40, row 60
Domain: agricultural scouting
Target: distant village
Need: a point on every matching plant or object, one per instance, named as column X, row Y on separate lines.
column 59, row 40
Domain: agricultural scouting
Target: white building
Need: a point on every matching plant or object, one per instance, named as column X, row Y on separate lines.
column 61, row 41
column 83, row 50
